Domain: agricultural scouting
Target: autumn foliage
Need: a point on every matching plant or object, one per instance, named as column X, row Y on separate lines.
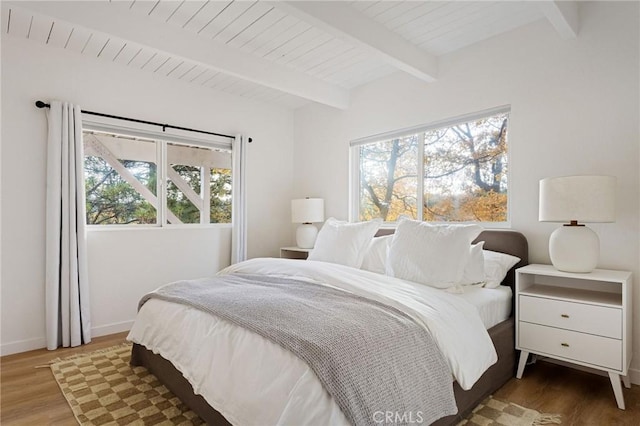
column 463, row 171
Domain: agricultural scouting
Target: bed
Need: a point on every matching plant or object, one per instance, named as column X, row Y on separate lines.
column 501, row 335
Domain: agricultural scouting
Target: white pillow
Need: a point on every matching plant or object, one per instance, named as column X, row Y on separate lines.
column 344, row 242
column 496, row 266
column 474, row 269
column 375, row 255
column 435, row 255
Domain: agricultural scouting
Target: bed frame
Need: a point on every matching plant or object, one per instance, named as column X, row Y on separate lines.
column 502, row 335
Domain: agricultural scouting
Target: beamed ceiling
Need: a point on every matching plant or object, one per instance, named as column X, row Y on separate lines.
column 288, row 53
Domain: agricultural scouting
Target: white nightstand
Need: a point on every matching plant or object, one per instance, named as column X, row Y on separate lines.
column 294, row 252
column 583, row 319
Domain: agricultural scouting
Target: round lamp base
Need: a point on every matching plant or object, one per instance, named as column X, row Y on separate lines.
column 574, row 249
column 306, row 235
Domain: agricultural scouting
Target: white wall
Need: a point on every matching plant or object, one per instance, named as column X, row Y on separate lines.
column 123, row 264
column 575, row 109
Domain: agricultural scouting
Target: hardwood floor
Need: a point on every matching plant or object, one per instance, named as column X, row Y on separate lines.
column 581, row 398
column 30, row 396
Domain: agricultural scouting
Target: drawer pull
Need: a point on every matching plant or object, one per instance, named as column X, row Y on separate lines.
column 566, row 345
column 564, row 316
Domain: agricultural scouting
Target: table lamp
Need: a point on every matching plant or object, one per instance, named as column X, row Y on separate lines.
column 574, row 247
column 306, row 211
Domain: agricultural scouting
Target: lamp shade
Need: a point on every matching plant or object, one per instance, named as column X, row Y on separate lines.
column 307, row 210
column 577, row 198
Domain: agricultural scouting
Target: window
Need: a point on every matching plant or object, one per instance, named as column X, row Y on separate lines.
column 456, row 171
column 124, row 178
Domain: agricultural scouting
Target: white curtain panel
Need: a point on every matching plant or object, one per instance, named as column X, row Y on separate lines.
column 68, row 319
column 239, row 201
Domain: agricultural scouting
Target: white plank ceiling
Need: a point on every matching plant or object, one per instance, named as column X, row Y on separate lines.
column 285, row 53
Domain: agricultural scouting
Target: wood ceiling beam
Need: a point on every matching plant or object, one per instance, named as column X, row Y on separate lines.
column 563, row 15
column 114, row 18
column 345, row 22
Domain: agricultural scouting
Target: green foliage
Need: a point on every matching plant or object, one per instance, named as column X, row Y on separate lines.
column 220, row 198
column 177, row 202
column 110, row 199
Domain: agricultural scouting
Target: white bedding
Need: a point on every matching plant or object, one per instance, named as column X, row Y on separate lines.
column 493, row 304
column 219, row 359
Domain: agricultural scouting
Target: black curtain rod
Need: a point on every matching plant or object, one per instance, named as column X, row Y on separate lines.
column 41, row 104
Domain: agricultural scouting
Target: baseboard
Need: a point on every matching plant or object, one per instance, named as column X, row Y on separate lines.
column 22, row 346
column 117, row 327
column 40, row 343
column 634, row 374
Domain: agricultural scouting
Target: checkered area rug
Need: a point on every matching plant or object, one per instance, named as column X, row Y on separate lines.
column 494, row 412
column 103, row 389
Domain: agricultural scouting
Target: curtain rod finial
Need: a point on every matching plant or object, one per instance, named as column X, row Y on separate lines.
column 41, row 104
column 250, row 140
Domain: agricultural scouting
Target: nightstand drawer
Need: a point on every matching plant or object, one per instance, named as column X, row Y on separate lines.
column 571, row 345
column 599, row 320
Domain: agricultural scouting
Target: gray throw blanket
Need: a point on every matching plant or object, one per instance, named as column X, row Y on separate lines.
column 378, row 364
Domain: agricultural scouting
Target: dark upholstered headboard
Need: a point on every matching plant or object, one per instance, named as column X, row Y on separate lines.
column 509, row 242
column 503, row 241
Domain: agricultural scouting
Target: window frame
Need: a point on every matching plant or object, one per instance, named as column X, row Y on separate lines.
column 162, row 139
column 354, row 165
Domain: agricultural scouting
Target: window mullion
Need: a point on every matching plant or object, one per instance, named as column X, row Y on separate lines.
column 162, row 182
column 420, row 183
column 354, row 183
column 205, row 194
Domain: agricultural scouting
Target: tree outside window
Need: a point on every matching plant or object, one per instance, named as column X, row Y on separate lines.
column 463, row 168
column 123, row 184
